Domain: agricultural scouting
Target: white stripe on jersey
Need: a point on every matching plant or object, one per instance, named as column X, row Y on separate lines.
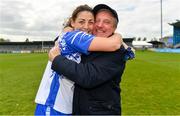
column 75, row 37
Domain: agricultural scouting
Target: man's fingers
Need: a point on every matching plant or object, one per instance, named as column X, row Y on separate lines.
column 53, row 53
column 56, row 44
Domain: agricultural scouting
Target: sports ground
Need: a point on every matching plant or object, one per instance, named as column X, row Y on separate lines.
column 150, row 84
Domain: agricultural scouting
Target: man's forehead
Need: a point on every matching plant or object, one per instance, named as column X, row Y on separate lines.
column 104, row 16
column 106, row 11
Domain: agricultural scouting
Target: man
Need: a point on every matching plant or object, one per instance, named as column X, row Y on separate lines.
column 97, row 77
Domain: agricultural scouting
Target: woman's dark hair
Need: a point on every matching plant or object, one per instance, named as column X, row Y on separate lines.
column 76, row 12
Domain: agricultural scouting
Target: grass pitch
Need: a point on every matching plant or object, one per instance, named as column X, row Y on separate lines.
column 150, row 84
column 20, row 75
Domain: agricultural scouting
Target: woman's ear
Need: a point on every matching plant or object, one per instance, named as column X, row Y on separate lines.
column 72, row 23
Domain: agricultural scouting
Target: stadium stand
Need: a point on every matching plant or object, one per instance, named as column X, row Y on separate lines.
column 26, row 47
column 35, row 46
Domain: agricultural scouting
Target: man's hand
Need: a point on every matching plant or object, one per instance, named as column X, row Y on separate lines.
column 55, row 51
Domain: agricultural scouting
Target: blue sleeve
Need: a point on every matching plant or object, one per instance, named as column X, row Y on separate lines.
column 78, row 40
column 129, row 54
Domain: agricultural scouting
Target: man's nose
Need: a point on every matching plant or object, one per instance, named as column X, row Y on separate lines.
column 99, row 24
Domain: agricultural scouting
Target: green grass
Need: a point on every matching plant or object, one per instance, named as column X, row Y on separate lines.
column 20, row 75
column 150, row 84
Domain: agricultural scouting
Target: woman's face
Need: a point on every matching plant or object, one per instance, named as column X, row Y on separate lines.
column 84, row 22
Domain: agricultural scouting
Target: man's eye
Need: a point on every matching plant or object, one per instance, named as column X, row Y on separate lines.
column 107, row 22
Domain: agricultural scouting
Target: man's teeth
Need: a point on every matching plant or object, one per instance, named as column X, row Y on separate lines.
column 100, row 31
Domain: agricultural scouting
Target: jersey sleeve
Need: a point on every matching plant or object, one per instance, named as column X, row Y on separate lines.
column 78, row 40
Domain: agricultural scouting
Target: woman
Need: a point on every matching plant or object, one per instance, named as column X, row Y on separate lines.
column 55, row 93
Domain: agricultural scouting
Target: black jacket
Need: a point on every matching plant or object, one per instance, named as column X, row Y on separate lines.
column 97, row 78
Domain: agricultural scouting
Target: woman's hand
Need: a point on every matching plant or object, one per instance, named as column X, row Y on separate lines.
column 67, row 29
column 117, row 35
column 118, row 38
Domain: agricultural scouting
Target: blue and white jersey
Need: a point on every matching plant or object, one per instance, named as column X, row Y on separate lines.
column 56, row 90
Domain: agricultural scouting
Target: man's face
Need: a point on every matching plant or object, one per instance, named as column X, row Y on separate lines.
column 104, row 24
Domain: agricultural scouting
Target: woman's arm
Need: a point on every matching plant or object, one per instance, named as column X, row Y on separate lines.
column 91, row 43
column 106, row 44
column 126, row 47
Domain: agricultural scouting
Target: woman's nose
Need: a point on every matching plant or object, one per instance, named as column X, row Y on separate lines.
column 86, row 26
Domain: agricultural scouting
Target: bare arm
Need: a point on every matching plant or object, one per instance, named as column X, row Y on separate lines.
column 111, row 43
column 106, row 44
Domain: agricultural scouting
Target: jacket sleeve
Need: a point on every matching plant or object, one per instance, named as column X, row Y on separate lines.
column 92, row 73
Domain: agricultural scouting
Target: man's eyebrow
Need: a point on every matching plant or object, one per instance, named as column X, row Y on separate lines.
column 107, row 20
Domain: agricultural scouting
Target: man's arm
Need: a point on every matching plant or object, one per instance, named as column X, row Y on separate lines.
column 93, row 73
